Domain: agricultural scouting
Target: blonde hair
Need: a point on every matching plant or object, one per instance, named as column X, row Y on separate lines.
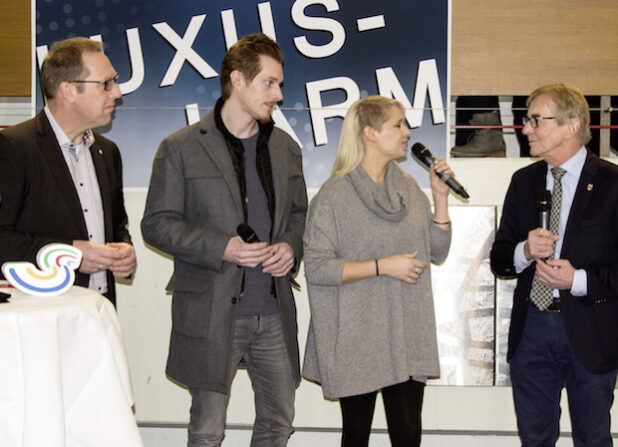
column 568, row 102
column 370, row 111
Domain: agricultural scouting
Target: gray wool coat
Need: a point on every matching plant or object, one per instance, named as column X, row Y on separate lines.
column 192, row 210
column 378, row 331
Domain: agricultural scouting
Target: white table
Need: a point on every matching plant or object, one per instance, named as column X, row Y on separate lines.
column 64, row 379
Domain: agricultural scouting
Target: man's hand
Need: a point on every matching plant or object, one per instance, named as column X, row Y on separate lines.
column 95, row 257
column 281, row 260
column 556, row 273
column 124, row 266
column 540, row 244
column 246, row 255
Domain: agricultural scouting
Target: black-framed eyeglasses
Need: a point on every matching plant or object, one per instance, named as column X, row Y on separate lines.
column 535, row 119
column 107, row 85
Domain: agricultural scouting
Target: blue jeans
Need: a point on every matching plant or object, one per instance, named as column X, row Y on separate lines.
column 259, row 342
column 543, row 363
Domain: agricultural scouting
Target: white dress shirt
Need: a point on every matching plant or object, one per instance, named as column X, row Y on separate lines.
column 79, row 161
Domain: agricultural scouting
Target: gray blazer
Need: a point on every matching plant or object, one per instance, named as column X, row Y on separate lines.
column 192, row 211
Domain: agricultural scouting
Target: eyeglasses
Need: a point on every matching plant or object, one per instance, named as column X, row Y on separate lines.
column 107, row 85
column 534, row 120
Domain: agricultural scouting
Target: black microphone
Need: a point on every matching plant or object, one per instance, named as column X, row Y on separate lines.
column 247, row 233
column 543, row 205
column 423, row 154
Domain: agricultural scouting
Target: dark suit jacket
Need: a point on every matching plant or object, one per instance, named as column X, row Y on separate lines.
column 590, row 243
column 39, row 202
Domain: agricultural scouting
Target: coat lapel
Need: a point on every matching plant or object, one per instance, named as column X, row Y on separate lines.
column 52, row 155
column 583, row 193
column 541, row 177
column 280, row 172
column 98, row 159
column 214, row 144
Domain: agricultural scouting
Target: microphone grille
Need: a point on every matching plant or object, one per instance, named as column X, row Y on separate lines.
column 543, row 200
column 417, row 149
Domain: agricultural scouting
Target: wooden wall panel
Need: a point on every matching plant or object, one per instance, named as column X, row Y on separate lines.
column 511, row 47
column 15, row 48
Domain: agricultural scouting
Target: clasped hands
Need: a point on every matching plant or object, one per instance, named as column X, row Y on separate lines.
column 118, row 257
column 276, row 259
column 554, row 273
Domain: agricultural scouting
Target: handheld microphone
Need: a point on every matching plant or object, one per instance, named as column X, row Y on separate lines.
column 423, row 154
column 543, row 205
column 247, row 233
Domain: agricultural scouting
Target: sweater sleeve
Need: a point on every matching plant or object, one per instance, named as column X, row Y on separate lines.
column 440, row 243
column 323, row 266
column 439, row 238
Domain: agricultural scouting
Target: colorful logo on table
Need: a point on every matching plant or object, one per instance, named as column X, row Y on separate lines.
column 55, row 275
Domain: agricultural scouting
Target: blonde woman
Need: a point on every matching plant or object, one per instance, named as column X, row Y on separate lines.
column 369, row 239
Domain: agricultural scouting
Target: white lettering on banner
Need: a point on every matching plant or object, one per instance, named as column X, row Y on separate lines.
column 370, row 23
column 427, row 87
column 193, row 113
column 229, row 24
column 388, row 85
column 427, row 79
column 229, row 27
column 183, row 50
column 318, row 24
column 320, row 113
column 136, row 59
column 267, row 22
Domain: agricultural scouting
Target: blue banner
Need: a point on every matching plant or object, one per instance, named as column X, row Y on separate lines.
column 168, row 54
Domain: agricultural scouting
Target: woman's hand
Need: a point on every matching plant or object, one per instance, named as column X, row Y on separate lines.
column 404, row 267
column 438, row 187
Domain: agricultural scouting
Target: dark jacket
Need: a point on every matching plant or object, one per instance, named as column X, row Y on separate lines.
column 590, row 242
column 39, row 202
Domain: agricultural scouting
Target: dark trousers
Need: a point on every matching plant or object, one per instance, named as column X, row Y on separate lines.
column 403, row 404
column 543, row 363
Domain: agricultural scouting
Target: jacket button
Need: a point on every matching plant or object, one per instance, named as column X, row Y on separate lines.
column 234, row 300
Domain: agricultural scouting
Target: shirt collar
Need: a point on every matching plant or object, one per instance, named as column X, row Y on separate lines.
column 574, row 165
column 63, row 140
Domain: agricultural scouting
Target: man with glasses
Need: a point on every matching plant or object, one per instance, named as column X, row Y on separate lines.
column 564, row 329
column 62, row 182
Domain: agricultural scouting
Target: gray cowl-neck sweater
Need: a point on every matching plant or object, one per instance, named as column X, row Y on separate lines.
column 378, row 331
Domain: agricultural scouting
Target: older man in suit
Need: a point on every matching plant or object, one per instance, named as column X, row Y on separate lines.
column 232, row 300
column 62, row 182
column 564, row 329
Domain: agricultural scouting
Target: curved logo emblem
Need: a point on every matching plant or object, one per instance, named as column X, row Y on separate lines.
column 55, row 275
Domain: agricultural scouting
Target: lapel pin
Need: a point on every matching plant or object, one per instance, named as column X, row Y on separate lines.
column 101, row 152
column 590, row 187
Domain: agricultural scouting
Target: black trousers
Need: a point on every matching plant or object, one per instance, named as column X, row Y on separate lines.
column 403, row 404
